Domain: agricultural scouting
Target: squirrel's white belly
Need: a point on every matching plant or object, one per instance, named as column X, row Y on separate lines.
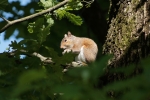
column 81, row 57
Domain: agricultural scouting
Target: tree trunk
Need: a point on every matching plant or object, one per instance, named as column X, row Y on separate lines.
column 128, row 37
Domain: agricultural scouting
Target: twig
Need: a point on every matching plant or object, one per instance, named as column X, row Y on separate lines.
column 88, row 3
column 5, row 19
column 32, row 16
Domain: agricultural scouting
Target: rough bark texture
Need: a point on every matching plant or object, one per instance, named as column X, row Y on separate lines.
column 128, row 37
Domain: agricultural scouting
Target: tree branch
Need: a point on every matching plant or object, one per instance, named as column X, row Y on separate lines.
column 43, row 59
column 9, row 23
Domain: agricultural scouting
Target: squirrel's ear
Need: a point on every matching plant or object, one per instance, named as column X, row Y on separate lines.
column 69, row 33
column 65, row 35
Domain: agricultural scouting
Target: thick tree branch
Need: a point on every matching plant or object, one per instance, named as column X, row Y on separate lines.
column 9, row 23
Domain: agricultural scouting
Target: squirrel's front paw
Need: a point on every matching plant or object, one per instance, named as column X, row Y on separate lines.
column 78, row 64
column 66, row 51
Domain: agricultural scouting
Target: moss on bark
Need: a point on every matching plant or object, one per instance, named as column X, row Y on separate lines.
column 128, row 33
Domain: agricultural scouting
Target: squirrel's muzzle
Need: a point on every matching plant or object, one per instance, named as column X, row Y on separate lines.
column 62, row 47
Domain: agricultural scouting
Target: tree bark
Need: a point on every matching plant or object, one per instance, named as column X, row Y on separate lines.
column 128, row 37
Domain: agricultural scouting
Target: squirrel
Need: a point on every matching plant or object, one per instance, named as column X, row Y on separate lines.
column 85, row 48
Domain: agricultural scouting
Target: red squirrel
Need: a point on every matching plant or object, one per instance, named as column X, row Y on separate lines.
column 85, row 48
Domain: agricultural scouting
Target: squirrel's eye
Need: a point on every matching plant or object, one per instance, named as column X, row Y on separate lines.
column 65, row 40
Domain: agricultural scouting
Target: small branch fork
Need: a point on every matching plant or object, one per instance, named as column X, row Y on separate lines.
column 5, row 19
column 9, row 23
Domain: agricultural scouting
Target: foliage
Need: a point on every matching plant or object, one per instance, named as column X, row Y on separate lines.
column 31, row 79
column 28, row 78
column 3, row 4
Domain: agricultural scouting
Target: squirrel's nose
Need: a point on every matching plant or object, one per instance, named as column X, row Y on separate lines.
column 62, row 47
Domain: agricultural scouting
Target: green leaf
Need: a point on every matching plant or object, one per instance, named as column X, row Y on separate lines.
column 60, row 13
column 15, row 45
column 36, row 26
column 74, row 5
column 47, row 3
column 40, row 28
column 26, row 79
column 50, row 21
column 41, row 37
column 52, row 52
column 3, row 4
column 29, row 44
column 67, row 58
column 31, row 27
column 77, row 20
